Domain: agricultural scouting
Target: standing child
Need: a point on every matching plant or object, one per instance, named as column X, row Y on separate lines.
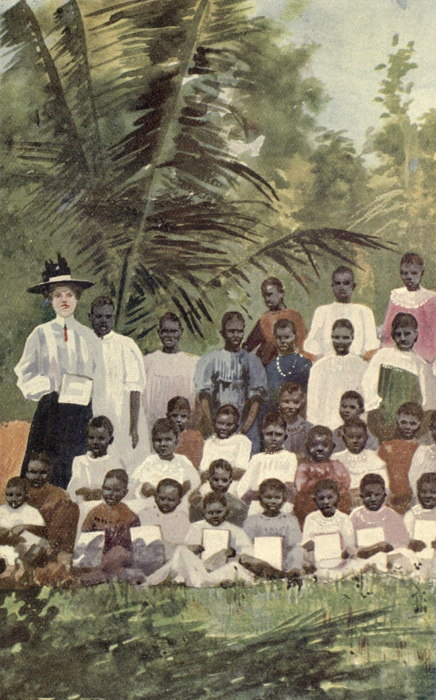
column 292, row 403
column 398, row 454
column 333, row 374
column 358, row 459
column 396, row 375
column 231, row 376
column 424, row 459
column 190, row 441
column 262, row 336
column 413, row 299
column 220, row 476
column 226, row 443
column 289, row 365
column 350, row 407
column 361, row 317
column 274, row 462
column 319, row 446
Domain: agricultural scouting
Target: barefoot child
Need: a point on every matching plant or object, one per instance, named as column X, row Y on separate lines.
column 190, row 442
column 292, row 403
column 227, row 444
column 220, row 476
column 350, row 407
column 289, row 365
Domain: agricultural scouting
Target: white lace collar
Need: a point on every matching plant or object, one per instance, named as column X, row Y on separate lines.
column 411, row 300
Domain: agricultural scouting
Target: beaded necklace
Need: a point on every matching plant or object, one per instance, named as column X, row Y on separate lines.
column 290, row 371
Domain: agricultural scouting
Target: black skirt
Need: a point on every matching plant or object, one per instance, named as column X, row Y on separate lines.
column 59, row 430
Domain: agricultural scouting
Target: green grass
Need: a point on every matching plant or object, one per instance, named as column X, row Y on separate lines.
column 366, row 638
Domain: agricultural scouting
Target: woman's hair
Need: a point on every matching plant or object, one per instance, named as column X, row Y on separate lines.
column 75, row 288
column 164, row 425
column 412, row 409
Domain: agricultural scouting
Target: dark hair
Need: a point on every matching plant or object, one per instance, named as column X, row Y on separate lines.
column 326, row 484
column 40, row 457
column 402, row 319
column 119, row 474
column 75, row 288
column 341, row 270
column 273, row 418
column 214, row 497
column 101, row 422
column 219, row 464
column 412, row 409
column 102, row 300
column 229, row 316
column 170, row 482
column 169, row 316
column 228, row 409
column 272, row 484
column 354, row 395
column 412, row 258
column 427, row 477
column 290, row 388
column 284, row 323
column 18, row 481
column 372, row 479
column 178, row 402
column 318, row 430
column 357, row 423
column 273, row 282
column 164, row 425
column 343, row 323
column 432, row 417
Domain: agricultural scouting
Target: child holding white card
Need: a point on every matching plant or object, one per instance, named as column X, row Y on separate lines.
column 420, row 521
column 172, row 520
column 282, row 531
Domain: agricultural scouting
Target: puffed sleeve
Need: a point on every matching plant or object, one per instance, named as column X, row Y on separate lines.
column 204, row 374
column 33, row 382
column 134, row 367
column 370, row 383
column 314, row 341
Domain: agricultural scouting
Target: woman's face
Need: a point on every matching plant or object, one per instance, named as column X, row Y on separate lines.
column 63, row 300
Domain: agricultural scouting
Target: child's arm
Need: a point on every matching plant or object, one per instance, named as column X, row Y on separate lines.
column 134, row 414
column 417, row 545
column 89, row 494
column 253, row 410
column 366, row 552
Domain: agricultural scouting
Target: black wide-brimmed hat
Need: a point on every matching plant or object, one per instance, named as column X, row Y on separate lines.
column 57, row 273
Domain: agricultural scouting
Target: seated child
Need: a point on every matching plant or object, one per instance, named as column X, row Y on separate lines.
column 190, row 442
column 223, row 566
column 272, row 522
column 292, row 404
column 227, row 444
column 17, row 519
column 289, row 365
column 398, row 453
column 60, row 514
column 163, row 464
column 319, row 446
column 336, row 372
column 350, row 407
column 219, row 480
column 275, row 462
column 365, row 340
column 424, row 459
column 424, row 510
column 262, row 335
column 413, row 299
column 173, row 522
column 115, row 519
column 358, row 460
column 396, row 375
column 375, row 514
column 327, row 520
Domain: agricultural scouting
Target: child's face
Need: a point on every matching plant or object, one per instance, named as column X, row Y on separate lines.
column 290, row 404
column 170, row 333
column 273, row 437
column 405, row 337
column 225, row 425
column 233, row 334
column 373, row 496
column 349, row 408
column 271, row 501
column 408, row 425
column 220, row 480
column 355, row 438
column 320, row 447
column 427, row 495
column 272, row 297
column 180, row 415
column 167, row 499
column 113, row 491
column 342, row 338
column 411, row 274
column 99, row 440
column 15, row 496
column 63, row 300
column 326, row 501
column 102, row 319
column 164, row 444
column 285, row 340
column 37, row 473
column 343, row 286
column 215, row 514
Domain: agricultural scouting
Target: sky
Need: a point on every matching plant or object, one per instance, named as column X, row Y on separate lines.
column 355, row 36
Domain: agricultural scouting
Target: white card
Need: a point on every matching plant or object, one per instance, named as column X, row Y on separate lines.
column 146, row 533
column 89, row 549
column 214, row 541
column 368, row 536
column 270, row 550
column 425, row 530
column 75, row 389
column 328, row 548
